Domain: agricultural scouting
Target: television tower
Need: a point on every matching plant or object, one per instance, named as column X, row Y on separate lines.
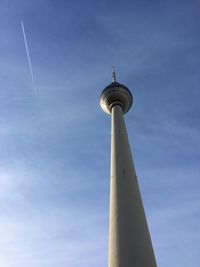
column 129, row 239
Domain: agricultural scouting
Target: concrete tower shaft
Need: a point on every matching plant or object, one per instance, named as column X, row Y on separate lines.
column 129, row 238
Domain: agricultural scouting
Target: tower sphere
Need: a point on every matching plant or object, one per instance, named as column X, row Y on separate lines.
column 116, row 94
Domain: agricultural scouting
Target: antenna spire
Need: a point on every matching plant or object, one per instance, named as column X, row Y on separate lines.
column 113, row 74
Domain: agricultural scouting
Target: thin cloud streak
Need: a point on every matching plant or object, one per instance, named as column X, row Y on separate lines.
column 29, row 59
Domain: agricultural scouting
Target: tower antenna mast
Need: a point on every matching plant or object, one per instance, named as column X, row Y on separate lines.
column 113, row 75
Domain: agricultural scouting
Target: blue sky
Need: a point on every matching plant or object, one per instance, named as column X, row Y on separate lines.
column 55, row 147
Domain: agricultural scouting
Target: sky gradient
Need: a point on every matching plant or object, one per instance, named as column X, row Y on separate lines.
column 55, row 144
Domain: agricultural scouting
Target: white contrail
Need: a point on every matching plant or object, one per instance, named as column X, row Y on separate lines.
column 29, row 59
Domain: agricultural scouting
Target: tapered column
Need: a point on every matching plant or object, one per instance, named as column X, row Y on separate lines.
column 129, row 239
